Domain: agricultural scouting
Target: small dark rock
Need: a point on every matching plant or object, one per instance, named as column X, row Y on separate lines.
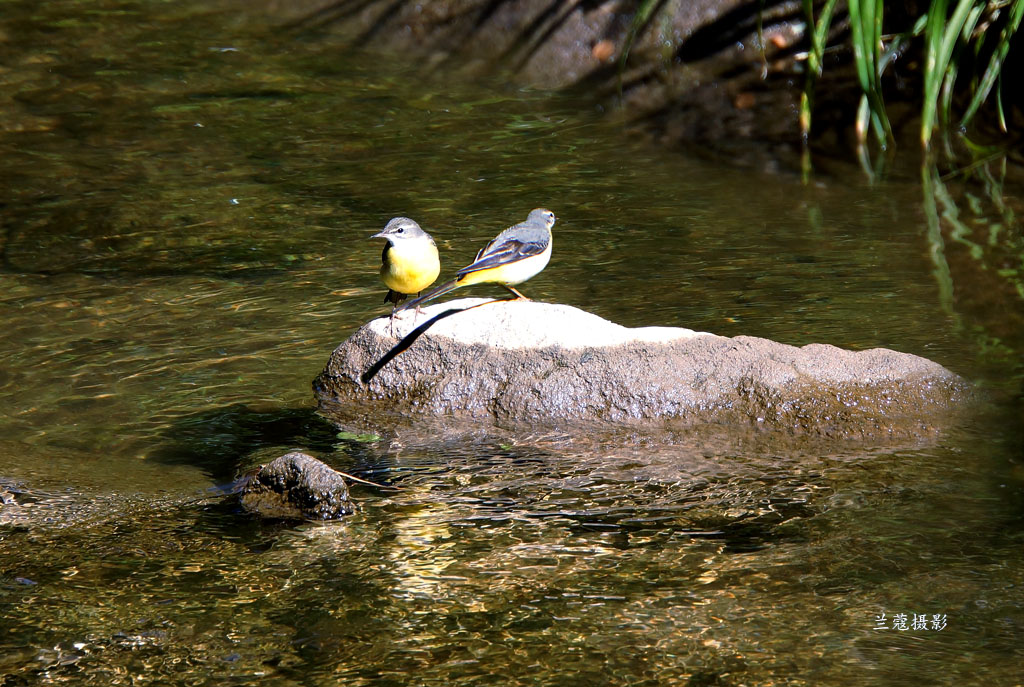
column 297, row 486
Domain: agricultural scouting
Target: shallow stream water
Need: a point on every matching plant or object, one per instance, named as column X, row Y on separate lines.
column 186, row 205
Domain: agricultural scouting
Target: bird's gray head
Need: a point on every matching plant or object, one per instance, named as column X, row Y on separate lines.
column 400, row 228
column 542, row 216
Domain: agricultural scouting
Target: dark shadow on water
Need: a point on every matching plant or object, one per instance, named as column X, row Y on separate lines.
column 219, row 440
column 223, row 516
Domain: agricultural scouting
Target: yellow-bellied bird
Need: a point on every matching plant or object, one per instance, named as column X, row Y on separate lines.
column 512, row 257
column 409, row 262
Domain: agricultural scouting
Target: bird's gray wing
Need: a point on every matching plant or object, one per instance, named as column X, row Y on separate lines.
column 515, row 243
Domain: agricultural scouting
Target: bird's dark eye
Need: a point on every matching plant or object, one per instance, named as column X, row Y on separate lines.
column 400, row 229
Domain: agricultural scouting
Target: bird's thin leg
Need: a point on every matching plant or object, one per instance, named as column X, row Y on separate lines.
column 391, row 322
column 519, row 296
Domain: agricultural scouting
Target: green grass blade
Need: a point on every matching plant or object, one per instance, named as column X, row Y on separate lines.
column 863, row 121
column 933, row 73
column 883, row 129
column 819, row 35
column 819, row 32
column 959, row 25
column 640, row 19
column 860, row 54
column 813, row 70
column 995, row 65
column 945, row 102
column 899, row 41
column 941, row 36
column 806, row 106
column 999, row 105
column 876, row 44
column 866, row 30
column 953, row 69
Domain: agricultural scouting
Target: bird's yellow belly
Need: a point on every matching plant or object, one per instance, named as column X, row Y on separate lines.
column 510, row 273
column 410, row 271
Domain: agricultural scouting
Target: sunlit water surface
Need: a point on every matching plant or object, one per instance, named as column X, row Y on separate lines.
column 186, row 204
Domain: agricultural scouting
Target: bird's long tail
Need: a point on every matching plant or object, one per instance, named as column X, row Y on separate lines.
column 433, row 293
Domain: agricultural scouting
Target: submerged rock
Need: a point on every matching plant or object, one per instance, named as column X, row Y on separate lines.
column 508, row 362
column 297, row 486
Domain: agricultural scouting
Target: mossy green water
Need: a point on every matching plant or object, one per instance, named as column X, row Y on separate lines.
column 186, row 210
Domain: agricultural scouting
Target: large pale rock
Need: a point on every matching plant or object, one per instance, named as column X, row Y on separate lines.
column 511, row 362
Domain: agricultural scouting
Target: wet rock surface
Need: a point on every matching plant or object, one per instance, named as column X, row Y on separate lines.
column 523, row 363
column 712, row 72
column 297, row 486
column 712, row 77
